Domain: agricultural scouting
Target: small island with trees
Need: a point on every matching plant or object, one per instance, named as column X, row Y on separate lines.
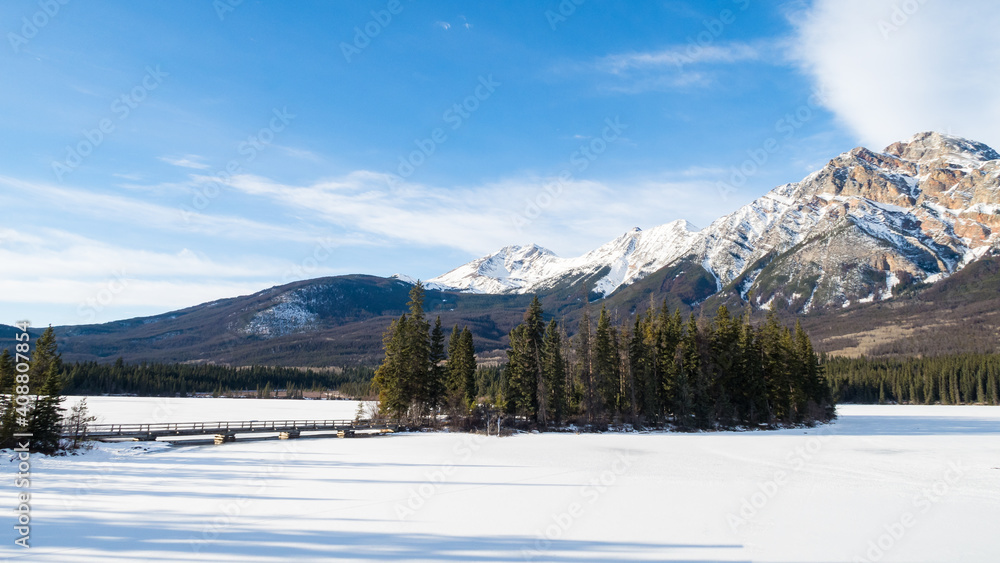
column 658, row 371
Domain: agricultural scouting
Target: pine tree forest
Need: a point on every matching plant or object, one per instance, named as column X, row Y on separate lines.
column 655, row 370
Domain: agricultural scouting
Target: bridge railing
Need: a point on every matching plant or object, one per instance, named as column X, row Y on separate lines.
column 228, row 427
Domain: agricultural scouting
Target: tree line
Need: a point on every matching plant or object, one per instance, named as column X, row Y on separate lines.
column 950, row 379
column 722, row 372
column 145, row 379
column 659, row 369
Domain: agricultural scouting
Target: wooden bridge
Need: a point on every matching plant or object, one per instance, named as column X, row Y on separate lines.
column 226, row 431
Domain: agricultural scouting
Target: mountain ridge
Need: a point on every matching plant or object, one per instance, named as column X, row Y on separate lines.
column 917, row 211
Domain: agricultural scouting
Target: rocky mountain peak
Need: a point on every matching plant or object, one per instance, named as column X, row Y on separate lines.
column 850, row 232
column 933, row 147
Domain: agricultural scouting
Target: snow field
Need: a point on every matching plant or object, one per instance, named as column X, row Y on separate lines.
column 884, row 483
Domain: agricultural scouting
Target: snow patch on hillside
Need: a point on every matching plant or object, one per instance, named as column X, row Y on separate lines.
column 285, row 317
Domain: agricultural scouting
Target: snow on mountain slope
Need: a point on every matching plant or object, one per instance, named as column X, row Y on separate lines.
column 862, row 223
column 528, row 269
column 853, row 231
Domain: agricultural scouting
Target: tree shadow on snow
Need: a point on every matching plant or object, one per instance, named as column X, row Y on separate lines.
column 119, row 541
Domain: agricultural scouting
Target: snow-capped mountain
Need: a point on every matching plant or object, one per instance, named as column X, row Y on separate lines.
column 530, row 269
column 865, row 223
column 853, row 231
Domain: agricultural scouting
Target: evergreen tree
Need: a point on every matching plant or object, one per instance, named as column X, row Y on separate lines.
column 389, row 377
column 8, row 418
column 775, row 366
column 435, row 388
column 673, row 388
column 643, row 366
column 726, row 365
column 416, row 367
column 525, row 383
column 688, row 374
column 521, row 391
column 462, row 370
column 554, row 370
column 697, row 355
column 44, row 355
column 535, row 333
column 585, row 369
column 46, row 416
column 606, row 368
column 750, row 391
column 45, row 378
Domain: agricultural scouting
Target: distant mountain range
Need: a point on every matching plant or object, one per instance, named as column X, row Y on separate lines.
column 879, row 252
column 863, row 226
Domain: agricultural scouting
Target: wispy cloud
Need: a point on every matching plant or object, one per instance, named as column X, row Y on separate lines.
column 113, row 208
column 189, row 161
column 675, row 67
column 676, row 58
column 295, row 152
column 443, row 25
column 479, row 219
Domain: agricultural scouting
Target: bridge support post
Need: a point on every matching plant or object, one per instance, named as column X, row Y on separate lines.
column 223, row 438
column 291, row 434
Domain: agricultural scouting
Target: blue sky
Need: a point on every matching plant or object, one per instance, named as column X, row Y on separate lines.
column 162, row 154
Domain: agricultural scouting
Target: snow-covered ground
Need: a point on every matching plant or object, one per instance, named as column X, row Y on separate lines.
column 884, row 483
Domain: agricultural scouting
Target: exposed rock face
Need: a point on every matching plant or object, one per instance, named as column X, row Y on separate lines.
column 855, row 230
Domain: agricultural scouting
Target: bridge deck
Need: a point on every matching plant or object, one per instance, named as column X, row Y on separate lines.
column 226, row 428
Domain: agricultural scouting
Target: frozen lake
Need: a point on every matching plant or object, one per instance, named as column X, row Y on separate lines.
column 884, row 483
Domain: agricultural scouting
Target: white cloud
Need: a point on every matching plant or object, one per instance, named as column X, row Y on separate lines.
column 679, row 66
column 300, row 153
column 570, row 218
column 679, row 57
column 108, row 207
column 892, row 68
column 443, row 25
column 189, row 161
